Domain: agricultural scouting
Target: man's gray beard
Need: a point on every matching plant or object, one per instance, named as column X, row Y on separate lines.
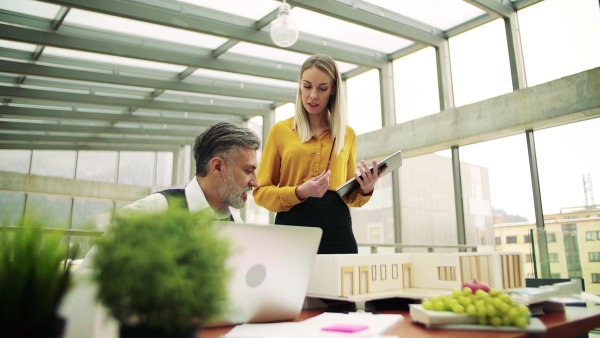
column 231, row 193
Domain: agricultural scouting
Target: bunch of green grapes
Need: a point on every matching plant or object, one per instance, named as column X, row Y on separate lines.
column 494, row 308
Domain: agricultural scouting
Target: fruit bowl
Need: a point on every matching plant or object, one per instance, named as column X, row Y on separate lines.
column 479, row 309
column 428, row 317
column 444, row 320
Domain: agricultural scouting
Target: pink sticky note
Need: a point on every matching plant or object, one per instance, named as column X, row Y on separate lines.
column 349, row 328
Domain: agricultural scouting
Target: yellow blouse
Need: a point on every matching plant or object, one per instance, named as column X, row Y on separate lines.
column 286, row 163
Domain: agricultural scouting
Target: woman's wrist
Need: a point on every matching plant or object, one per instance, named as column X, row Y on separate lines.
column 298, row 193
column 367, row 194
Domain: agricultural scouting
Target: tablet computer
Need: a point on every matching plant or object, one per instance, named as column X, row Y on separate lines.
column 392, row 162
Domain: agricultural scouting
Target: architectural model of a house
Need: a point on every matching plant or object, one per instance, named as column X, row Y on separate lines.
column 411, row 275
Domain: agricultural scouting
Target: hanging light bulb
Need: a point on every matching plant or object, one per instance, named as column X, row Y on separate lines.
column 284, row 31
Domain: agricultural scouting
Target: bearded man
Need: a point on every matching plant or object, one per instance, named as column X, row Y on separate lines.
column 226, row 164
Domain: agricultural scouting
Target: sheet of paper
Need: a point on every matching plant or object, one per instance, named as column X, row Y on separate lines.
column 377, row 325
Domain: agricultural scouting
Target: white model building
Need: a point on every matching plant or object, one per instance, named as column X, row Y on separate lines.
column 411, row 275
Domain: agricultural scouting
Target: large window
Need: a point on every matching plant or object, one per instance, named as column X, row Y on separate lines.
column 55, row 210
column 12, row 205
column 560, row 38
column 480, row 72
column 364, row 102
column 53, row 163
column 136, row 168
column 506, row 182
column 427, row 201
column 15, row 160
column 592, row 235
column 415, row 84
column 569, row 173
column 89, row 215
column 100, row 166
column 77, row 211
column 374, row 221
column 164, row 169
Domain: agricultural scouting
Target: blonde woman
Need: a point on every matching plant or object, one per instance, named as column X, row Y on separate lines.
column 311, row 154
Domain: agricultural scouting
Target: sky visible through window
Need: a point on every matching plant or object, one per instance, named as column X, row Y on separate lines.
column 560, row 38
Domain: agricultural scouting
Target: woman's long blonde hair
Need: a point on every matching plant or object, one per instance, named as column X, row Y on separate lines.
column 338, row 116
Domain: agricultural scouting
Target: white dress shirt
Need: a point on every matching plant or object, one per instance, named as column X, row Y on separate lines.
column 156, row 203
column 194, row 196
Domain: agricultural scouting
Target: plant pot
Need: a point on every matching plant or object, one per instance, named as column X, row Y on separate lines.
column 142, row 331
column 53, row 328
column 56, row 328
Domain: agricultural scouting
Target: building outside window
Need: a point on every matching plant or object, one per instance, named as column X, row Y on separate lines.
column 573, row 259
column 528, row 258
column 553, row 257
column 511, row 239
column 594, row 256
column 526, row 239
column 551, row 237
column 498, row 240
column 592, row 235
column 595, row 277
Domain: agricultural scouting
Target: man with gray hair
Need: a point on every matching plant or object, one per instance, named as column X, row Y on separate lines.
column 225, row 172
column 226, row 164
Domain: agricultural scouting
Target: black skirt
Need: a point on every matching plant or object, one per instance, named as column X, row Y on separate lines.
column 329, row 213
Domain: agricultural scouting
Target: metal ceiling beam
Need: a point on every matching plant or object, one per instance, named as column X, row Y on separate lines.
column 60, row 17
column 72, row 128
column 176, row 19
column 468, row 25
column 363, row 13
column 493, row 7
column 153, row 74
column 75, row 146
column 267, row 19
column 15, row 54
column 127, row 102
column 406, row 51
column 92, row 139
column 515, row 52
column 102, row 117
column 251, row 66
column 355, row 72
column 65, row 62
column 66, row 86
column 483, row 19
column 519, row 5
column 83, row 107
column 21, row 19
column 249, row 91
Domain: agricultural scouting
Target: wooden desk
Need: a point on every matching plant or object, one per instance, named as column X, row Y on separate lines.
column 573, row 322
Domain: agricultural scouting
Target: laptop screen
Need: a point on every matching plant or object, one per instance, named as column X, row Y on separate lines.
column 271, row 266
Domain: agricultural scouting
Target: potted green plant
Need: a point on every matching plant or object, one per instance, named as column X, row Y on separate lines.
column 162, row 275
column 34, row 277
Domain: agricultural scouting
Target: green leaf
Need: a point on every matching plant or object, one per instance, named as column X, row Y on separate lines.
column 167, row 270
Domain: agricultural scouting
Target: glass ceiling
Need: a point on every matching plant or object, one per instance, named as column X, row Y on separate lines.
column 170, row 68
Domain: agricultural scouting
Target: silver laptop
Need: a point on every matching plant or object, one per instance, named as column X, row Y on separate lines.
column 271, row 266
